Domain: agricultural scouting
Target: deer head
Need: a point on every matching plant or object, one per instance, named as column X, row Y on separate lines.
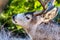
column 28, row 19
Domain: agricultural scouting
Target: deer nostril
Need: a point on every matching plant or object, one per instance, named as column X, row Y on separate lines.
column 13, row 17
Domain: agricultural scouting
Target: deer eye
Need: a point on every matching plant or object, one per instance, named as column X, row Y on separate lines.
column 27, row 17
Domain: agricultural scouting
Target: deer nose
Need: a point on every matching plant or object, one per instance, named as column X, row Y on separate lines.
column 14, row 17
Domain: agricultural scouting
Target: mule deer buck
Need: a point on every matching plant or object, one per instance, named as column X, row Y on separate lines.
column 40, row 25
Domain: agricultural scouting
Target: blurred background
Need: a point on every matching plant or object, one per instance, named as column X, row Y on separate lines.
column 11, row 7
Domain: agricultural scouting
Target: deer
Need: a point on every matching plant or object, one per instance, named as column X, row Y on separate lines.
column 39, row 25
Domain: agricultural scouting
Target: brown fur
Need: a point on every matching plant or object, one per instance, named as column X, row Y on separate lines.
column 3, row 3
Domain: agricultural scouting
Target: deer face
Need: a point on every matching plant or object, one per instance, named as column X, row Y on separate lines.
column 22, row 19
column 26, row 19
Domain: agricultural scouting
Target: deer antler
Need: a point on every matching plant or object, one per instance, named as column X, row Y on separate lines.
column 43, row 3
column 45, row 8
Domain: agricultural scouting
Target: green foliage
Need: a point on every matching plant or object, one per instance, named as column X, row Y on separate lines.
column 18, row 6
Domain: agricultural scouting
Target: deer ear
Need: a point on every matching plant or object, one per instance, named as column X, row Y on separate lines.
column 50, row 15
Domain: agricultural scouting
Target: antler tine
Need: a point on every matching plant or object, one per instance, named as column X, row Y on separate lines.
column 45, row 8
column 50, row 5
column 43, row 3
